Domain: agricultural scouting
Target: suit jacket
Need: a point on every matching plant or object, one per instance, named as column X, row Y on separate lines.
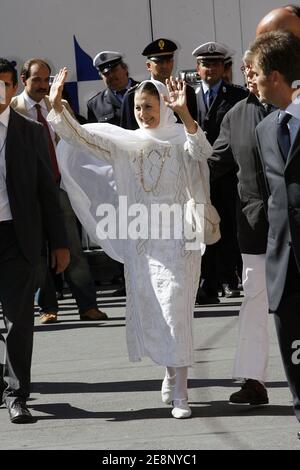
column 18, row 104
column 105, row 107
column 210, row 120
column 283, row 205
column 128, row 120
column 236, row 148
column 32, row 192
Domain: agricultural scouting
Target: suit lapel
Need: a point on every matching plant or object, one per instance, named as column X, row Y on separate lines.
column 11, row 138
column 271, row 134
column 19, row 104
column 294, row 150
column 201, row 105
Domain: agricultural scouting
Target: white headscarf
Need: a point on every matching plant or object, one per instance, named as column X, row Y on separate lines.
column 90, row 181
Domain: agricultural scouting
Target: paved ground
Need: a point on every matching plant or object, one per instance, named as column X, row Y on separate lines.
column 86, row 394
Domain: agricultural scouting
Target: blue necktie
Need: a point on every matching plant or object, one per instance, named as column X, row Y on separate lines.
column 283, row 134
column 210, row 98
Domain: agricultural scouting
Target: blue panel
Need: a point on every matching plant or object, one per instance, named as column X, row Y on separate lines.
column 84, row 65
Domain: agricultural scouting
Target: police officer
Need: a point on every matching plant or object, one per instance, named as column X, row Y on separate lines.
column 106, row 105
column 214, row 98
column 159, row 63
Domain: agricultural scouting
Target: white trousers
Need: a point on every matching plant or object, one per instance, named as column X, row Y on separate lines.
column 251, row 356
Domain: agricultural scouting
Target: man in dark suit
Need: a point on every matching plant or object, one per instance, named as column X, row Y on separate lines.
column 106, row 105
column 159, row 63
column 215, row 98
column 29, row 205
column 276, row 66
column 236, row 148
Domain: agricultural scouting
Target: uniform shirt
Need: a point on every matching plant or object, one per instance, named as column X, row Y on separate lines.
column 206, row 90
column 5, row 212
column 120, row 94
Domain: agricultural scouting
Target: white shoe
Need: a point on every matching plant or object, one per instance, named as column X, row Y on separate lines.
column 167, row 389
column 181, row 409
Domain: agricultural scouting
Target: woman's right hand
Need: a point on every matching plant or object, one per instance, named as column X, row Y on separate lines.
column 57, row 88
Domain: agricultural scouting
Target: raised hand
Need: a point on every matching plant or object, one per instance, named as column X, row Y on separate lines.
column 177, row 94
column 56, row 89
column 177, row 102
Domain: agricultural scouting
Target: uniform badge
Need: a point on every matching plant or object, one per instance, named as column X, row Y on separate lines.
column 211, row 48
column 161, row 44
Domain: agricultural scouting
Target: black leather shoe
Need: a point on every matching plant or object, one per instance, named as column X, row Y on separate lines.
column 120, row 292
column 204, row 298
column 19, row 413
column 251, row 393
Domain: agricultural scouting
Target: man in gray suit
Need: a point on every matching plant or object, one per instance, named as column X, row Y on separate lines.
column 276, row 66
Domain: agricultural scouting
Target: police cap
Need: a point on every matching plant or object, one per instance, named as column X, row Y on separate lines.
column 211, row 51
column 160, row 49
column 106, row 60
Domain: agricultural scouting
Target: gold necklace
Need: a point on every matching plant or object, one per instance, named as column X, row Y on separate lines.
column 141, row 162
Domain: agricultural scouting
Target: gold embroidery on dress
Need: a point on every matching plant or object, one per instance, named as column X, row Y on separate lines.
column 162, row 157
column 83, row 138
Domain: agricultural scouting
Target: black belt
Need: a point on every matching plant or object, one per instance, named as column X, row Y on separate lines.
column 6, row 222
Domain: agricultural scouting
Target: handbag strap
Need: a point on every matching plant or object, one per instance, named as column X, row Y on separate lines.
column 189, row 180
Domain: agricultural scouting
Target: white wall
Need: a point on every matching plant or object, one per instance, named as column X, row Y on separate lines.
column 45, row 28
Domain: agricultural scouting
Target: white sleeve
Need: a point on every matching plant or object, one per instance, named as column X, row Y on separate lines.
column 197, row 145
column 72, row 132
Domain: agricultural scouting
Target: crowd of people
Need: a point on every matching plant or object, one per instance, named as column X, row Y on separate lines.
column 164, row 142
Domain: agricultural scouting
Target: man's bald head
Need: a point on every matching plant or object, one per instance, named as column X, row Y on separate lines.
column 279, row 19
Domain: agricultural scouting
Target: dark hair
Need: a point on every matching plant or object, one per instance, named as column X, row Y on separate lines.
column 147, row 87
column 280, row 51
column 7, row 66
column 25, row 71
column 295, row 9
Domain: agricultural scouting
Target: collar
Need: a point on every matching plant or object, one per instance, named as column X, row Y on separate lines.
column 293, row 109
column 214, row 88
column 129, row 85
column 30, row 103
column 4, row 117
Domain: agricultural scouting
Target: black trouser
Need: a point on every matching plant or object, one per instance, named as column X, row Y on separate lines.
column 17, row 286
column 287, row 321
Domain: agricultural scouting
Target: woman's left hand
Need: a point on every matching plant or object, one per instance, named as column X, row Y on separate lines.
column 177, row 94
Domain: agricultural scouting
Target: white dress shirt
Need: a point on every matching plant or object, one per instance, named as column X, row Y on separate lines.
column 294, row 122
column 32, row 111
column 5, row 212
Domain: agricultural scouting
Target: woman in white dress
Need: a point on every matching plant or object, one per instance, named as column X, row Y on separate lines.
column 152, row 165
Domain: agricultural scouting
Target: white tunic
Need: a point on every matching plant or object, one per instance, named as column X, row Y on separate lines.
column 161, row 275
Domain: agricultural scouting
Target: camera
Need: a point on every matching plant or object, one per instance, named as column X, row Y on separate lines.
column 190, row 76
